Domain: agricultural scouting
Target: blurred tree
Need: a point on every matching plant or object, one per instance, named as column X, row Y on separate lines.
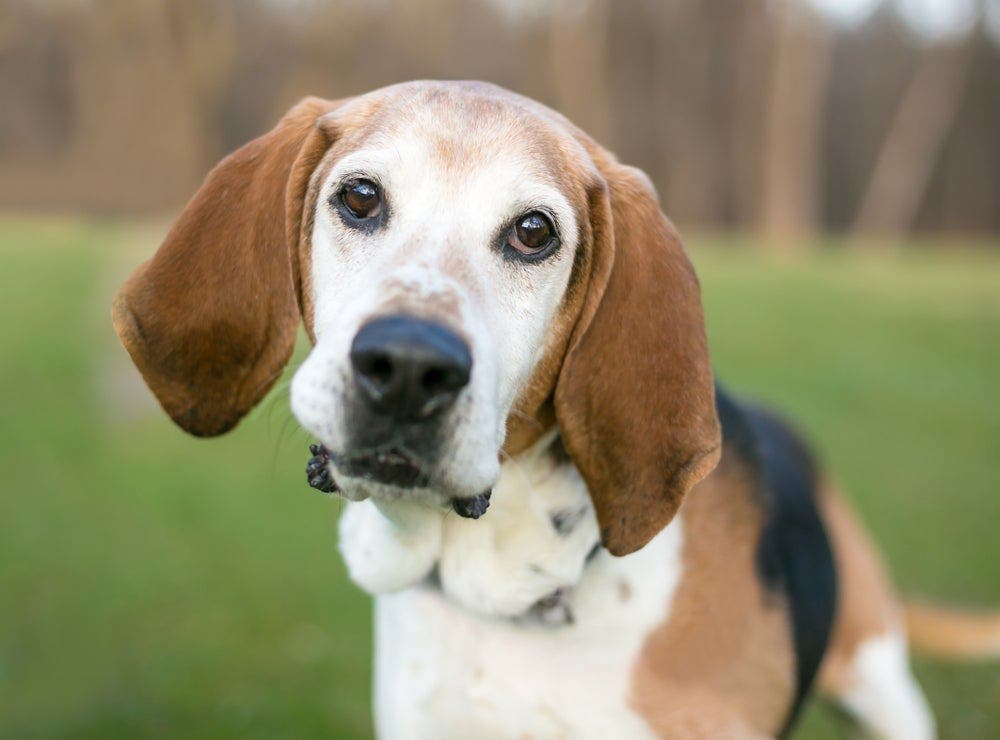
column 754, row 115
column 915, row 139
column 796, row 97
column 579, row 64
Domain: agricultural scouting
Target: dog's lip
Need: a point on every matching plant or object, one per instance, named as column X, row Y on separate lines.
column 390, row 465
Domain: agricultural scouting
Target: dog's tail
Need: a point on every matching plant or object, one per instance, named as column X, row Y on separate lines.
column 952, row 633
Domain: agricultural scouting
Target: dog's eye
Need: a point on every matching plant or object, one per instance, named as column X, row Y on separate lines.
column 532, row 234
column 362, row 199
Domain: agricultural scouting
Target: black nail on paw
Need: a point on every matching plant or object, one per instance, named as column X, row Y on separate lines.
column 318, row 470
column 472, row 508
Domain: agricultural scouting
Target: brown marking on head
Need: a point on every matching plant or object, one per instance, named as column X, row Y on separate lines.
column 303, row 258
column 534, row 412
column 346, row 128
column 726, row 642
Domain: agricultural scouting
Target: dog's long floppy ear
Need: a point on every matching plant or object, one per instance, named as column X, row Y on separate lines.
column 211, row 319
column 635, row 399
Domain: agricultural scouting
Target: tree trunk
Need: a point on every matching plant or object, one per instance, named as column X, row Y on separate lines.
column 793, row 126
column 916, row 137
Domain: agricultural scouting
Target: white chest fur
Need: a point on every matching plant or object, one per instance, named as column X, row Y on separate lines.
column 442, row 672
column 455, row 663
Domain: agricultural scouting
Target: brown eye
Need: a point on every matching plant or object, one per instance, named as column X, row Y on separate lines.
column 532, row 233
column 362, row 199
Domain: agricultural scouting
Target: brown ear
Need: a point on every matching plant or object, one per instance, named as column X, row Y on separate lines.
column 635, row 399
column 210, row 320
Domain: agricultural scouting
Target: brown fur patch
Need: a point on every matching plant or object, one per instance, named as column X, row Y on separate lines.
column 723, row 657
column 302, row 261
column 635, row 398
column 211, row 319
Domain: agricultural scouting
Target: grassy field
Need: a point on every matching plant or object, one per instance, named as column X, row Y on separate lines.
column 154, row 585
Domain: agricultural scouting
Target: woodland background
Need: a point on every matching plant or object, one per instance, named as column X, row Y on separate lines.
column 784, row 117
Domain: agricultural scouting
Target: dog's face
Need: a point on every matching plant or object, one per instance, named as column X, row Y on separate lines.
column 472, row 270
column 445, row 228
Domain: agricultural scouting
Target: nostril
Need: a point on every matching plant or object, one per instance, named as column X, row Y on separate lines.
column 380, row 369
column 375, row 370
column 434, row 380
column 442, row 380
column 438, row 388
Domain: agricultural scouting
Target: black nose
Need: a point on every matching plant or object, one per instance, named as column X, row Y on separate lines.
column 409, row 368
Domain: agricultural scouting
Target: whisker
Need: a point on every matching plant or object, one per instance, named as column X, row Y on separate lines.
column 270, row 405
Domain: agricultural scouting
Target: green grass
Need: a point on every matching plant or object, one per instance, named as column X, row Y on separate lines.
column 156, row 585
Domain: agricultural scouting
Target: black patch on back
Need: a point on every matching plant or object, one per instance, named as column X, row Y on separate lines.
column 793, row 555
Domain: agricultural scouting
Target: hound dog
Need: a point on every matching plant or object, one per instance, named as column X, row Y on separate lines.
column 569, row 529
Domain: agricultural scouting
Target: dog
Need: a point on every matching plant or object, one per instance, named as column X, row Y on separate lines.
column 569, row 528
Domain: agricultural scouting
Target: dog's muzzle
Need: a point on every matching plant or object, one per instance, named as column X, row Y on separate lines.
column 408, row 372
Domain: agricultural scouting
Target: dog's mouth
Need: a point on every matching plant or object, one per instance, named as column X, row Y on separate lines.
column 391, row 466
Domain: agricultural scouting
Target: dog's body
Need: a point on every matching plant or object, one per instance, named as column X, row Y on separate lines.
column 502, row 315
column 716, row 628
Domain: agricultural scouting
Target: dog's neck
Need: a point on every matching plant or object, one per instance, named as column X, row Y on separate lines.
column 529, row 558
column 527, row 553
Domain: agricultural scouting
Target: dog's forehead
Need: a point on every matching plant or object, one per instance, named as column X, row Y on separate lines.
column 461, row 129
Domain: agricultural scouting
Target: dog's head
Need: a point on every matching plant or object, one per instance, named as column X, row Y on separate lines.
column 472, row 270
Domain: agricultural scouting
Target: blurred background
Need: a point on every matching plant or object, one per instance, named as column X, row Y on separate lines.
column 781, row 116
column 834, row 165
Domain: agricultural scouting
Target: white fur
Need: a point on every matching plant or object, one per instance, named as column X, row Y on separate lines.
column 443, row 671
column 497, row 566
column 505, row 562
column 388, row 546
column 883, row 695
column 452, row 663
